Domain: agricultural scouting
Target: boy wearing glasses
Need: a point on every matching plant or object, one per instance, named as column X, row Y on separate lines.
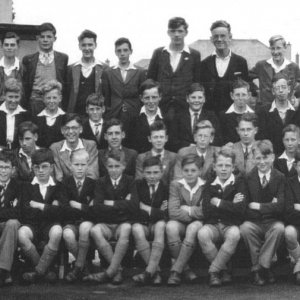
column 71, row 130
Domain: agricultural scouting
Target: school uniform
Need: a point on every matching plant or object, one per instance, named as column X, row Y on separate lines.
column 285, row 165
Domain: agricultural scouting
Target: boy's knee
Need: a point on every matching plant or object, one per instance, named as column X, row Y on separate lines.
column 290, row 233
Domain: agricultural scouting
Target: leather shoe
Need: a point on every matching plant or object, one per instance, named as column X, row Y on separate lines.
column 100, row 277
column 226, row 277
column 215, row 279
column 31, row 277
column 142, row 278
column 157, row 279
column 118, row 278
column 297, row 278
column 189, row 276
column 270, row 276
column 174, row 279
column 257, row 279
column 51, row 277
column 74, row 275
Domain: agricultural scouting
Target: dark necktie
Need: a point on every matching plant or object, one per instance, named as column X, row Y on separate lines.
column 97, row 131
column 79, row 186
column 264, row 181
column 246, row 153
column 115, row 184
column 195, row 121
column 201, row 160
column 152, row 191
column 2, row 195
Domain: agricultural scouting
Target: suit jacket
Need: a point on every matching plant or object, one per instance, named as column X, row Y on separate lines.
column 23, row 171
column 268, row 212
column 130, row 160
column 88, row 134
column 228, row 212
column 124, row 209
column 217, row 89
column 141, row 194
column 30, row 64
column 265, row 73
column 292, row 196
column 119, row 93
column 85, row 197
column 281, row 165
column 207, row 170
column 73, row 80
column 168, row 162
column 10, row 209
column 180, row 131
column 62, row 167
column 19, row 118
column 180, row 196
column 174, row 85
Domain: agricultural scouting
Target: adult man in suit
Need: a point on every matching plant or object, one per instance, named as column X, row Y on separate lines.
column 71, row 130
column 203, row 136
column 220, row 69
column 175, row 66
column 84, row 76
column 265, row 70
column 41, row 67
column 121, row 85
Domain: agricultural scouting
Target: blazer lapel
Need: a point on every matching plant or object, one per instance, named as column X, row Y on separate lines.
column 117, row 74
column 76, row 78
column 183, row 59
column 130, row 74
column 212, row 66
column 269, row 70
column 50, row 191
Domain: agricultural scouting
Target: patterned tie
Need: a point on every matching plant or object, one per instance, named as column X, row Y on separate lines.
column 46, row 57
column 2, row 195
column 201, row 160
column 152, row 191
column 195, row 121
column 97, row 131
column 264, row 182
column 115, row 184
column 79, row 186
column 246, row 153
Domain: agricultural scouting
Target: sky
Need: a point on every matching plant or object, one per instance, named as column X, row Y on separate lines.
column 145, row 22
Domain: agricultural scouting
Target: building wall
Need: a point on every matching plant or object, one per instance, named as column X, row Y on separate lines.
column 6, row 11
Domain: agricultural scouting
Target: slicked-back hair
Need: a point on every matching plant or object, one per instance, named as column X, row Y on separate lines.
column 13, row 85
column 115, row 154
column 7, row 156
column 176, row 22
column 79, row 152
column 87, row 34
column 240, row 83
column 158, row 125
column 149, row 84
column 112, row 122
column 225, row 151
column 122, row 41
column 279, row 76
column 191, row 159
column 42, row 155
column 95, row 99
column 291, row 128
column 265, row 147
column 52, row 85
column 273, row 39
column 27, row 126
column 220, row 23
column 47, row 27
column 195, row 87
column 70, row 117
column 10, row 35
column 249, row 117
column 152, row 161
column 203, row 125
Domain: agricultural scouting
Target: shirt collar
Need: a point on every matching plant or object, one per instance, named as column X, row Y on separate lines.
column 116, row 181
column 229, row 181
column 200, row 153
column 231, row 109
column 130, row 67
column 44, row 113
column 16, row 64
column 261, row 175
column 66, row 148
column 155, row 153
column 214, row 53
column 93, row 124
column 18, row 110
column 96, row 62
column 185, row 49
column 193, row 190
column 49, row 183
column 278, row 68
column 273, row 106
column 192, row 113
column 158, row 112
column 284, row 156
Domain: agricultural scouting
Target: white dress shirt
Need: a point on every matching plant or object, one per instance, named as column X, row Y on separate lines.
column 222, row 63
column 43, row 186
column 50, row 119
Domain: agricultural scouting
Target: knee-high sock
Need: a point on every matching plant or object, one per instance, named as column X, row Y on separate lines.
column 174, row 248
column 106, row 251
column 32, row 255
column 46, row 259
column 295, row 254
column 219, row 263
column 83, row 247
column 155, row 256
column 186, row 252
column 143, row 248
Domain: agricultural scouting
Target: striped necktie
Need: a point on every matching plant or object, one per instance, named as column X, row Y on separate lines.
column 2, row 196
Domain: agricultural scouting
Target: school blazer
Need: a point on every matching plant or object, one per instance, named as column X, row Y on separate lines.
column 292, row 196
column 281, row 165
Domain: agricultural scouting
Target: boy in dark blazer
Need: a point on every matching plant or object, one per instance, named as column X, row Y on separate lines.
column 10, row 197
column 224, row 203
column 263, row 230
column 152, row 194
column 113, row 196
column 158, row 138
column 41, row 215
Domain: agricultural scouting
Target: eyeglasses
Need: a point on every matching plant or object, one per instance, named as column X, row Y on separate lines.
column 5, row 168
column 42, row 167
column 280, row 87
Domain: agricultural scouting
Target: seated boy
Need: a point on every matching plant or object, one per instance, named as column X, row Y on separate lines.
column 28, row 135
column 185, row 213
column 203, row 136
column 114, row 135
column 77, row 194
column 10, row 194
column 291, row 140
column 158, row 138
column 92, row 127
column 71, row 130
column 263, row 230
column 41, row 216
column 152, row 195
column 113, row 195
column 11, row 114
column 240, row 94
column 224, row 204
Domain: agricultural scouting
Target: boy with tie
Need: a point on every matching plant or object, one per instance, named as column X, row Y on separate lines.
column 224, row 203
column 77, row 194
column 263, row 230
column 158, row 138
column 152, row 195
column 41, row 216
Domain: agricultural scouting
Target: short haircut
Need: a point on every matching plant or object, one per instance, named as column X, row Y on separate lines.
column 47, row 27
column 95, row 99
column 13, row 85
column 220, row 23
column 279, row 76
column 7, row 156
column 52, row 85
column 79, row 152
column 240, row 83
column 203, row 125
column 249, row 117
column 152, row 161
column 291, row 128
column 71, row 117
column 122, row 41
column 112, row 122
column 225, row 151
column 273, row 39
column 265, row 147
column 27, row 126
column 149, row 84
column 158, row 125
column 87, row 34
column 176, row 22
column 115, row 154
column 42, row 155
column 195, row 87
column 10, row 35
column 191, row 159
column 297, row 156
